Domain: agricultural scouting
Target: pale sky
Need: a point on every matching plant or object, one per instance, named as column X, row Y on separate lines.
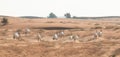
column 42, row 8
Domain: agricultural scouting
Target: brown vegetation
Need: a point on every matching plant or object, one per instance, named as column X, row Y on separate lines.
column 86, row 46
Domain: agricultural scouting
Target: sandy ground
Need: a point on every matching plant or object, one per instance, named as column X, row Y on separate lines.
column 86, row 46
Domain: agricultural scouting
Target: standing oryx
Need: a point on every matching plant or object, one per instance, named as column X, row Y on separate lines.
column 55, row 36
column 16, row 35
column 74, row 37
column 27, row 31
column 39, row 36
column 61, row 34
column 95, row 34
column 58, row 34
column 98, row 34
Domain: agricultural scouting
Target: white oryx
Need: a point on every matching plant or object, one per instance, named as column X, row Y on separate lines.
column 98, row 34
column 61, row 34
column 55, row 36
column 77, row 36
column 74, row 37
column 39, row 36
column 16, row 35
column 27, row 31
column 71, row 36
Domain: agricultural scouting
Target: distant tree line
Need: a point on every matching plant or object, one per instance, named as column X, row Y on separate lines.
column 4, row 20
column 52, row 15
column 68, row 15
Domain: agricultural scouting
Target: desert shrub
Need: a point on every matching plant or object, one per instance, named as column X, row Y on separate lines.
column 4, row 21
column 115, row 53
column 4, row 32
column 80, row 29
column 41, row 31
column 97, row 27
column 49, row 22
column 63, row 22
column 116, row 28
column 109, row 27
column 19, row 30
column 115, row 37
column 96, row 24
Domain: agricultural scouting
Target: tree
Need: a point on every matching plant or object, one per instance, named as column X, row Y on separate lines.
column 67, row 15
column 52, row 15
column 74, row 17
column 4, row 21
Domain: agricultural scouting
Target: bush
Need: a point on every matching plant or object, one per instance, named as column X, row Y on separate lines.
column 4, row 21
column 67, row 15
column 52, row 15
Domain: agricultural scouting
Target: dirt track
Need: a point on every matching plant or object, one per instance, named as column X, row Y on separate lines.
column 105, row 46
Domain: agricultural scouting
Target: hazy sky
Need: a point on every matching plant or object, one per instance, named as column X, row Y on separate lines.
column 59, row 7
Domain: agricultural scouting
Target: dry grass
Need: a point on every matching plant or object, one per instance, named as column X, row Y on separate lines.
column 30, row 47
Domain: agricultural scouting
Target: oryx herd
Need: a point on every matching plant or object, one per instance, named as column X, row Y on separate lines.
column 56, row 36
